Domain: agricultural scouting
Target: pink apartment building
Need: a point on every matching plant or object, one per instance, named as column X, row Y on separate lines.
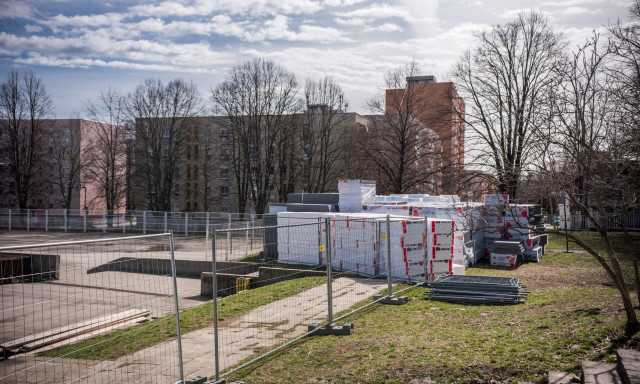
column 70, row 157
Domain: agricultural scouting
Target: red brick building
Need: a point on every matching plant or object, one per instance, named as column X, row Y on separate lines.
column 439, row 108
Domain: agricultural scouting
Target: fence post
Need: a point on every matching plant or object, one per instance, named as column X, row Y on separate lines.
column 320, row 241
column 253, row 225
column 214, row 282
column 206, row 240
column 9, row 218
column 327, row 226
column 246, row 240
column 84, row 220
column 229, row 239
column 28, row 219
column 124, row 221
column 144, row 222
column 165, row 222
column 175, row 296
column 389, row 299
column 46, row 220
column 104, row 221
column 66, row 213
column 186, row 223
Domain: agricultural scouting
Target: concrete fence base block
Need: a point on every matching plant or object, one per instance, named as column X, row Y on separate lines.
column 196, row 380
column 221, row 381
column 346, row 329
column 391, row 300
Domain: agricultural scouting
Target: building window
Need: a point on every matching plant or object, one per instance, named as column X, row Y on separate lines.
column 176, row 190
column 224, row 134
column 188, row 206
column 195, row 152
column 224, row 191
column 224, row 173
column 188, row 152
column 188, row 193
column 195, row 172
column 188, row 171
column 225, row 153
column 195, row 206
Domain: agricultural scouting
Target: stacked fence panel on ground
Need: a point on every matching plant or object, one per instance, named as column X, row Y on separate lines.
column 56, row 295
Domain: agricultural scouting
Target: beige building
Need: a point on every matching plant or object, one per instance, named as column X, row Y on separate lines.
column 205, row 178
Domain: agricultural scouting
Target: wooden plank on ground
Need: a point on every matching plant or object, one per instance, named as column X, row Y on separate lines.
column 15, row 344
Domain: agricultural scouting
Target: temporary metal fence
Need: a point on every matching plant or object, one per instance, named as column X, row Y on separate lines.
column 325, row 269
column 142, row 222
column 577, row 221
column 55, row 295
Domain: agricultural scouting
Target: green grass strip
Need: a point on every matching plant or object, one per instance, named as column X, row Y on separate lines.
column 125, row 341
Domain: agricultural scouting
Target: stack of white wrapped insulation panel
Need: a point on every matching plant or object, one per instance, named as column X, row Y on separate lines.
column 359, row 244
column 355, row 193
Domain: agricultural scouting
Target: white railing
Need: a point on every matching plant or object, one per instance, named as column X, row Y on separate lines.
column 577, row 221
column 78, row 220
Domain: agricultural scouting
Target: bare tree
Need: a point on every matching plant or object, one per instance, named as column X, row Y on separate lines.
column 406, row 152
column 322, row 141
column 624, row 75
column 506, row 81
column 256, row 97
column 68, row 157
column 162, row 114
column 106, row 164
column 583, row 160
column 24, row 104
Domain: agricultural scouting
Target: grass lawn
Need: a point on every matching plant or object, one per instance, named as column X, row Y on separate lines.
column 125, row 341
column 572, row 314
column 592, row 239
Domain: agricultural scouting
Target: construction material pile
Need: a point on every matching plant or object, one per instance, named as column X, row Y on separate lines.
column 476, row 290
column 520, row 224
column 421, row 249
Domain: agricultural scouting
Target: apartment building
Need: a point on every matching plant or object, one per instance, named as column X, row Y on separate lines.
column 65, row 156
column 310, row 157
column 440, row 109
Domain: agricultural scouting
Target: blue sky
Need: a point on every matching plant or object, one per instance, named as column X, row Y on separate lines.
column 82, row 47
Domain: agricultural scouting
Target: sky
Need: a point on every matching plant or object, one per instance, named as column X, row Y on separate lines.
column 80, row 48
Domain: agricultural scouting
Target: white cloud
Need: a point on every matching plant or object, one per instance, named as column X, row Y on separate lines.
column 377, row 11
column 16, row 9
column 278, row 29
column 61, row 21
column 208, row 7
column 579, row 11
column 354, row 21
column 32, row 28
column 386, row 27
column 346, row 3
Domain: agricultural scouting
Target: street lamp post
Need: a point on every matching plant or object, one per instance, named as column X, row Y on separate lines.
column 80, row 186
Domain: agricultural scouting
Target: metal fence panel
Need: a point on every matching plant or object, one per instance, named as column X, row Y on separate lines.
column 136, row 222
column 54, row 295
column 324, row 268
